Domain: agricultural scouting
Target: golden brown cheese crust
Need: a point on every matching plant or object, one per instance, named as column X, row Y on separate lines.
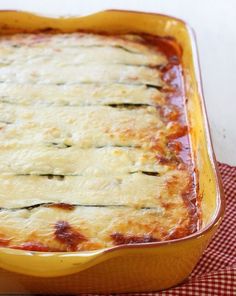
column 94, row 145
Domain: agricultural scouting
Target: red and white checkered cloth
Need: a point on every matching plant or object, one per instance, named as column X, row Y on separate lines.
column 215, row 273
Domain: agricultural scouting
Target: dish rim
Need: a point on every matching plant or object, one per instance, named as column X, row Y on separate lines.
column 220, row 198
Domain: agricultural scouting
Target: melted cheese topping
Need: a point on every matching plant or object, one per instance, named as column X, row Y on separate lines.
column 81, row 55
column 85, row 127
column 57, row 42
column 89, row 154
column 96, row 73
column 77, row 95
column 88, row 228
column 121, row 189
column 41, row 160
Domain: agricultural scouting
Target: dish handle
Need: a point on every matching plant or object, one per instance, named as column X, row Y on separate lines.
column 49, row 264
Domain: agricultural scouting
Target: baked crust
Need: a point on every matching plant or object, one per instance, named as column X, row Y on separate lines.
column 94, row 142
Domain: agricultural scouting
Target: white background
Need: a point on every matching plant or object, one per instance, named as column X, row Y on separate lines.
column 214, row 22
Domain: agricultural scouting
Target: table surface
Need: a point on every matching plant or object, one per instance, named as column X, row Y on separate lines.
column 214, row 22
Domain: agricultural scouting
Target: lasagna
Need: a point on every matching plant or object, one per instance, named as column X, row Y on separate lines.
column 94, row 144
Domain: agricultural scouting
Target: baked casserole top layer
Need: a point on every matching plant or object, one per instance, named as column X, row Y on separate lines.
column 94, row 142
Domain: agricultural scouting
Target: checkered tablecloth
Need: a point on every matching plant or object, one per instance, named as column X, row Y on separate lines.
column 215, row 273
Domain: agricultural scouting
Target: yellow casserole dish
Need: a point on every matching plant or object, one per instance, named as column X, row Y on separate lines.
column 136, row 267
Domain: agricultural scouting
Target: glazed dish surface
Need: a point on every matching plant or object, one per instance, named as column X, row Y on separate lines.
column 94, row 138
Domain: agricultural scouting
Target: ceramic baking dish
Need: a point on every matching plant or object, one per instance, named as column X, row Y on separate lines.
column 127, row 268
